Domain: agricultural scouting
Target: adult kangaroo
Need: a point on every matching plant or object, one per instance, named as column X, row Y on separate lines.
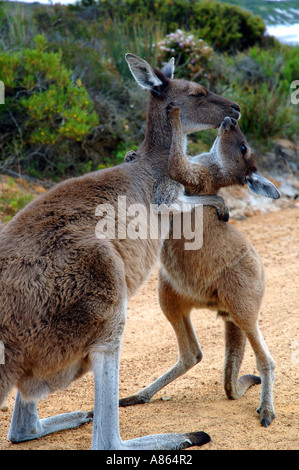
column 63, row 291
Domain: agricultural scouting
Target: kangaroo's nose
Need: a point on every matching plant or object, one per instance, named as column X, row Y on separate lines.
column 236, row 107
column 226, row 123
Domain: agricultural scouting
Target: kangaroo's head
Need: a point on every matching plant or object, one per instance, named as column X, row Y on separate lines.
column 236, row 159
column 199, row 107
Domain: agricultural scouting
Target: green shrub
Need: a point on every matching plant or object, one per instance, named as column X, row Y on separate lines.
column 290, row 57
column 259, row 81
column 272, row 65
column 48, row 126
column 50, row 112
column 266, row 113
column 226, row 27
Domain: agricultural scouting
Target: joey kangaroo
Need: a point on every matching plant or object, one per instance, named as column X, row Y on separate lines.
column 63, row 291
column 225, row 275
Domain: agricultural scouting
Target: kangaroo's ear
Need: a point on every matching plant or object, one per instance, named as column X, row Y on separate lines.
column 145, row 75
column 260, row 185
column 168, row 69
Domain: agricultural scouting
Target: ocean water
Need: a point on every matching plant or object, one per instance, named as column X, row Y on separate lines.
column 286, row 33
column 283, row 21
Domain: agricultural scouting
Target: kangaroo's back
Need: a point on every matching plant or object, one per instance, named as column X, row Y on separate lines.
column 60, row 226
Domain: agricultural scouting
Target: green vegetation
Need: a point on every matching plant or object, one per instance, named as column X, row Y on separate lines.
column 71, row 103
column 259, row 80
column 242, row 28
column 50, row 109
column 12, row 200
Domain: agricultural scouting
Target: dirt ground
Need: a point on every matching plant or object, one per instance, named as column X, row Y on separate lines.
column 197, row 400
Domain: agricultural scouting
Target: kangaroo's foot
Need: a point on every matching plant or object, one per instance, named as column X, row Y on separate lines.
column 26, row 425
column 134, row 400
column 267, row 414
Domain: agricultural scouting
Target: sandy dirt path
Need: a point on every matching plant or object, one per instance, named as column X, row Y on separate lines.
column 197, row 401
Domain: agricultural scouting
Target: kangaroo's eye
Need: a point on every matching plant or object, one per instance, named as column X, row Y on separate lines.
column 243, row 149
column 200, row 95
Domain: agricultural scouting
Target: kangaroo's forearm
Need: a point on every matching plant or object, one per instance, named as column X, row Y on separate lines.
column 196, row 178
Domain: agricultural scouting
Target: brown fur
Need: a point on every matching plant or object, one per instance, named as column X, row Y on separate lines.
column 225, row 275
column 61, row 288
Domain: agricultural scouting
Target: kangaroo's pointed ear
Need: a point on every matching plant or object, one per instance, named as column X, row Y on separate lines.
column 260, row 185
column 145, row 75
column 168, row 69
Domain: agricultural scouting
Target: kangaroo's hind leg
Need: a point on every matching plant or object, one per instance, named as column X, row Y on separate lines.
column 235, row 340
column 5, row 384
column 243, row 305
column 26, row 425
column 177, row 310
column 266, row 368
column 106, row 435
